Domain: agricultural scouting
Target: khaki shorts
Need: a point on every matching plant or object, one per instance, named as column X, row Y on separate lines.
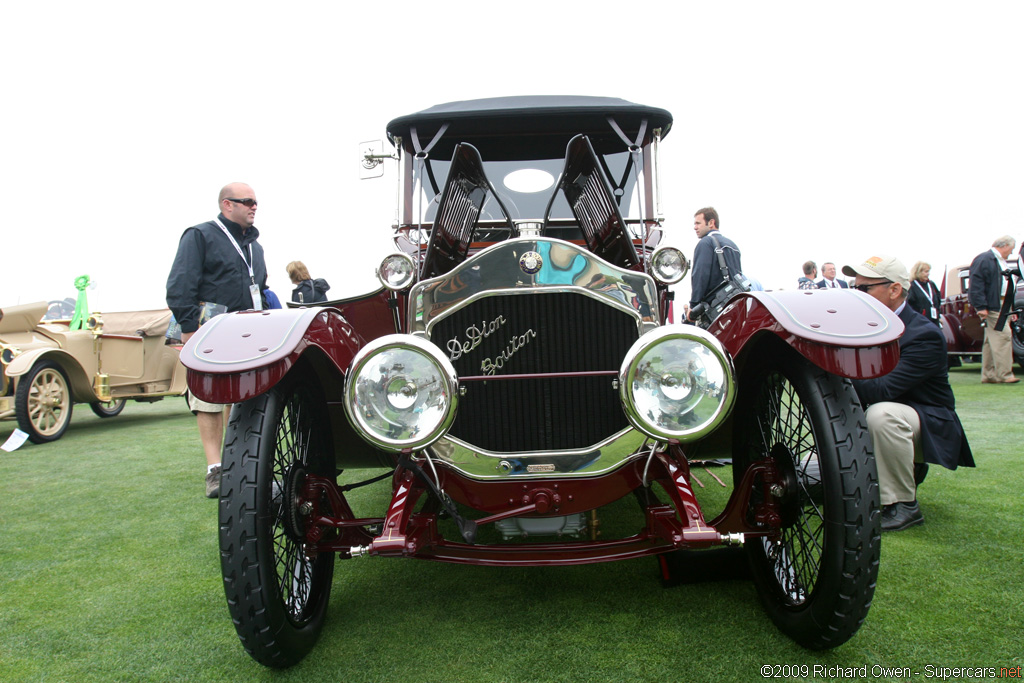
column 198, row 406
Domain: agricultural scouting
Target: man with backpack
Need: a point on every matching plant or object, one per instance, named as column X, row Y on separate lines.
column 714, row 256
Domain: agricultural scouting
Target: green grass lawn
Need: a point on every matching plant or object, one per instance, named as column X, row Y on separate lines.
column 109, row 572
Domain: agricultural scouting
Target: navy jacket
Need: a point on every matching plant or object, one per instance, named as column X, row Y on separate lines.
column 311, row 291
column 706, row 272
column 840, row 284
column 923, row 302
column 920, row 380
column 207, row 268
column 986, row 282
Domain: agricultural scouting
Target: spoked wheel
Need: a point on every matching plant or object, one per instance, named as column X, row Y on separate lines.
column 1017, row 332
column 277, row 592
column 108, row 408
column 816, row 574
column 43, row 402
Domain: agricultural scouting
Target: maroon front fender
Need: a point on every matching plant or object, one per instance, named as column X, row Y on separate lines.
column 240, row 355
column 845, row 332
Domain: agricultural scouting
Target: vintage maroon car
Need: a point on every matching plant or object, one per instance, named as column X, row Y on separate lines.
column 516, row 376
column 961, row 325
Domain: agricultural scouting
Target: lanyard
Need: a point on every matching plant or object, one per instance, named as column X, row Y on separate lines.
column 927, row 292
column 254, row 289
column 931, row 301
column 248, row 264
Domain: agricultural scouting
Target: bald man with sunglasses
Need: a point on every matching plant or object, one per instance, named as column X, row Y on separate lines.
column 911, row 412
column 219, row 268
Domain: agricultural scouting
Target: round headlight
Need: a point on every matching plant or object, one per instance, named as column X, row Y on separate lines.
column 401, row 392
column 396, row 271
column 669, row 265
column 677, row 383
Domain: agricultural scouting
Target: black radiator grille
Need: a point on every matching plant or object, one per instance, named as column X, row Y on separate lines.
column 540, row 332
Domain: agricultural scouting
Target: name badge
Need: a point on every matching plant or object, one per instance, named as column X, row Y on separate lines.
column 257, row 300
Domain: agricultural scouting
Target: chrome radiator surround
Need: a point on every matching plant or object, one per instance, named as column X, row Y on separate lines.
column 528, row 265
column 524, row 267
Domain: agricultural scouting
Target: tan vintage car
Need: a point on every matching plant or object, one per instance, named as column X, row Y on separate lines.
column 48, row 367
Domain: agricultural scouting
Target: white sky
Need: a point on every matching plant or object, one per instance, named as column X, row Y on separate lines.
column 819, row 130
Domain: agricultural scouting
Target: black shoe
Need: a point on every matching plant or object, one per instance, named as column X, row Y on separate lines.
column 900, row 516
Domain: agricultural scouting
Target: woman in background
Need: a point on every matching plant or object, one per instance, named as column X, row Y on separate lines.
column 924, row 296
column 308, row 290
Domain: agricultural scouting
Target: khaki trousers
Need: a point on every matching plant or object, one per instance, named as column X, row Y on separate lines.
column 896, row 434
column 997, row 351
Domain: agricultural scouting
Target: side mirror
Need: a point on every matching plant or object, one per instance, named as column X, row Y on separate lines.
column 371, row 159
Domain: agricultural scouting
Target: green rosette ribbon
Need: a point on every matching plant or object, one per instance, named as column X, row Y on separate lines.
column 81, row 305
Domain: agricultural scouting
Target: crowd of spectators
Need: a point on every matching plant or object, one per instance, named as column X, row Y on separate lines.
column 911, row 411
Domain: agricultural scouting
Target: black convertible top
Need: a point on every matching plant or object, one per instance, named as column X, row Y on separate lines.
column 533, row 126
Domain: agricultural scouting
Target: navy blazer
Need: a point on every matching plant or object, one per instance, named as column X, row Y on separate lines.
column 986, row 282
column 920, row 380
column 841, row 284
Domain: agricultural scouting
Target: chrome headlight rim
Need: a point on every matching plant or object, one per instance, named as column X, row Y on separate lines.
column 672, row 278
column 447, row 375
column 639, row 350
column 390, row 261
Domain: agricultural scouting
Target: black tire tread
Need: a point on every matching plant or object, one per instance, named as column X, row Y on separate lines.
column 249, row 584
column 859, row 480
column 840, row 601
column 99, row 410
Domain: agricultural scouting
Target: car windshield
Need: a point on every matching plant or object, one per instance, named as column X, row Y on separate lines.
column 525, row 187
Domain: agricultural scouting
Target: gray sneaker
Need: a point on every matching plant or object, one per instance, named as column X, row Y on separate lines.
column 213, row 482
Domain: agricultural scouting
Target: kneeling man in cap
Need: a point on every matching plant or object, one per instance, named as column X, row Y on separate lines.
column 911, row 411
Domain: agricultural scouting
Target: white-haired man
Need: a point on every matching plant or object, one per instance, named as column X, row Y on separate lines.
column 985, row 295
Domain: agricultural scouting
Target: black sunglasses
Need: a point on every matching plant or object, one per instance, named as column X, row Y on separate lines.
column 865, row 288
column 251, row 203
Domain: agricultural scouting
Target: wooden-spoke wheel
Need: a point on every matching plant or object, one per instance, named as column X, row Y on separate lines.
column 43, row 402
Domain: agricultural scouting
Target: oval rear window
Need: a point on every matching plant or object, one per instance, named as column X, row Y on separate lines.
column 529, row 180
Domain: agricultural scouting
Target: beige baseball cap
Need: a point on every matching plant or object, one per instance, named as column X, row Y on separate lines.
column 885, row 267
